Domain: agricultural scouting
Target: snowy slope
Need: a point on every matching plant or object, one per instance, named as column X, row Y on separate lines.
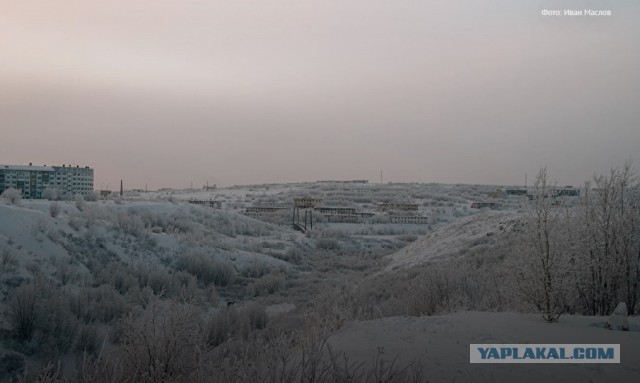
column 456, row 238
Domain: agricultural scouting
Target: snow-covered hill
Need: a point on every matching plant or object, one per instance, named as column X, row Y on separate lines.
column 461, row 237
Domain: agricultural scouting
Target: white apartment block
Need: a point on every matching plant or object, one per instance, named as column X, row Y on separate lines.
column 33, row 180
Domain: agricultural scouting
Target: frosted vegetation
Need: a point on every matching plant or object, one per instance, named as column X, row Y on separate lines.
column 150, row 288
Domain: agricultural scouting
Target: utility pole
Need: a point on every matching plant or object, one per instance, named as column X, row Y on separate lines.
column 121, row 189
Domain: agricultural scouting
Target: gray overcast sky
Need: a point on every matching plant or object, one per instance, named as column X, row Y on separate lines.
column 167, row 92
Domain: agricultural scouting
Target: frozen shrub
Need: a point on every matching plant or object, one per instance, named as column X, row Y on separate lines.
column 327, row 244
column 22, row 312
column 12, row 195
column 266, row 285
column 79, row 201
column 99, row 304
column 159, row 281
column 38, row 312
column 256, row 269
column 256, row 315
column 162, row 342
column 207, row 269
column 51, row 194
column 54, row 209
column 131, row 224
column 40, row 226
column 92, row 196
column 88, row 340
column 76, row 223
column 234, row 323
column 7, row 260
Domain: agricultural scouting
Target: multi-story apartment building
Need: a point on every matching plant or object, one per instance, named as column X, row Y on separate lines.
column 33, row 180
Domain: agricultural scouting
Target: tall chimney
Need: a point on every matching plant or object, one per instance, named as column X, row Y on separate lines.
column 121, row 189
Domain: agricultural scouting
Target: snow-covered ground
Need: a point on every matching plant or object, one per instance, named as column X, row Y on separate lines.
column 441, row 344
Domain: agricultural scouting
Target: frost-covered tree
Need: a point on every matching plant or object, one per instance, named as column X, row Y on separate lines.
column 544, row 262
column 608, row 252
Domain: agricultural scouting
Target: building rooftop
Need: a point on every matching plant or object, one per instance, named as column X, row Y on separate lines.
column 27, row 167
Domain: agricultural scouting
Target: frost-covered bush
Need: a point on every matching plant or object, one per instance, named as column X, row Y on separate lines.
column 119, row 276
column 235, row 322
column 160, row 342
column 207, row 269
column 257, row 269
column 267, row 285
column 52, row 194
column 327, row 244
column 38, row 313
column 8, row 261
column 12, row 195
column 79, row 201
column 98, row 304
column 54, row 209
column 130, row 224
column 89, row 340
column 92, row 196
column 40, row 226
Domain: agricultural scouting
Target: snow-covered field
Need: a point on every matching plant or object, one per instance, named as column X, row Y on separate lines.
column 373, row 282
column 441, row 344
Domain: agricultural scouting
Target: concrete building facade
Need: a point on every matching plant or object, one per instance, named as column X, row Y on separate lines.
column 33, row 180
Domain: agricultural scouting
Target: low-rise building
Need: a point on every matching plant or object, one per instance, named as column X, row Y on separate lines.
column 335, row 210
column 568, row 191
column 306, row 202
column 408, row 219
column 397, row 207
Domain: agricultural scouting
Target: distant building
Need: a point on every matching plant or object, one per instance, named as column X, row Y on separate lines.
column 306, row 202
column 345, row 182
column 265, row 209
column 272, row 204
column 397, row 207
column 33, row 180
column 568, row 191
column 338, row 210
column 211, row 203
column 344, row 218
column 497, row 194
column 516, row 191
column 481, row 205
column 408, row 219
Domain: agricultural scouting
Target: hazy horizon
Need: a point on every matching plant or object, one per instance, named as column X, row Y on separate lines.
column 247, row 92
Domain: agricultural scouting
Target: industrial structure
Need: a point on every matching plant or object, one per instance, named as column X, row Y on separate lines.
column 32, row 181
